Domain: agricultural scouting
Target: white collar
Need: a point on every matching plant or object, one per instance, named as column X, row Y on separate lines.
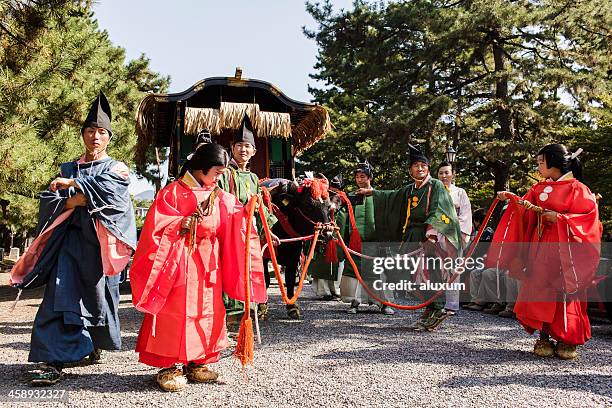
column 190, row 180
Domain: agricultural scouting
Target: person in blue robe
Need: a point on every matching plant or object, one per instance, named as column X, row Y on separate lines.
column 86, row 234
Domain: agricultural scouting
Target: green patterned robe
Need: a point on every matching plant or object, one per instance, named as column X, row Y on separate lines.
column 246, row 184
column 430, row 204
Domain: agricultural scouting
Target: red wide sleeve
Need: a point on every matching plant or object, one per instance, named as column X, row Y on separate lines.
column 510, row 245
column 580, row 239
column 160, row 248
column 233, row 241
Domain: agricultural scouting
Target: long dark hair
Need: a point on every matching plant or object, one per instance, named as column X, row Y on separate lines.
column 205, row 157
column 559, row 157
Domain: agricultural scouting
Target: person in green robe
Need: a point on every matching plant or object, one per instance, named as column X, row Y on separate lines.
column 363, row 208
column 242, row 183
column 421, row 213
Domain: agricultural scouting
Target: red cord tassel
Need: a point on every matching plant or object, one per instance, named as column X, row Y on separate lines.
column 355, row 241
column 331, row 256
column 245, row 343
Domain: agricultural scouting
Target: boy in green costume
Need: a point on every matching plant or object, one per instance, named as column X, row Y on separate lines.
column 363, row 208
column 243, row 184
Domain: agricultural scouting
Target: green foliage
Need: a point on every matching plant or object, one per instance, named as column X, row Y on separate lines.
column 597, row 158
column 53, row 62
column 140, row 204
column 495, row 79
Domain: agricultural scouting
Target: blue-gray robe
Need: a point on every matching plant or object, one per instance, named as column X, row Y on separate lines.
column 79, row 311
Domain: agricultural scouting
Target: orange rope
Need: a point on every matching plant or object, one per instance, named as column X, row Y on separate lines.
column 275, row 262
column 245, row 342
column 437, row 294
column 318, row 228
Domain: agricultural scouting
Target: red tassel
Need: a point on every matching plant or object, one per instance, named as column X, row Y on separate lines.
column 355, row 242
column 331, row 256
column 245, row 343
column 267, row 198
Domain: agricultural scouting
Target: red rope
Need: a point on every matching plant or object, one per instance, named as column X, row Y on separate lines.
column 437, row 294
column 355, row 241
column 272, row 252
column 267, row 198
column 245, row 342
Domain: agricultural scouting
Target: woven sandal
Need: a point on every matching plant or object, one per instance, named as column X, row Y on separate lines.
column 46, row 375
column 566, row 351
column 544, row 348
column 419, row 325
column 200, row 373
column 294, row 311
column 263, row 311
column 437, row 318
column 171, row 379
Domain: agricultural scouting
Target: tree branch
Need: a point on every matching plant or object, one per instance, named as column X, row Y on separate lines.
column 465, row 83
column 591, row 31
column 556, row 14
column 453, row 4
column 15, row 37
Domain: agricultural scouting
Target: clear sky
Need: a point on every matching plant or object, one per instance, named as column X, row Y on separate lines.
column 192, row 40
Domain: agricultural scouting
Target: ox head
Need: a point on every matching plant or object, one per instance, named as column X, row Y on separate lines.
column 306, row 201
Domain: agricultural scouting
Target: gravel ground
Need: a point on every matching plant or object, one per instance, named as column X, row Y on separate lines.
column 333, row 359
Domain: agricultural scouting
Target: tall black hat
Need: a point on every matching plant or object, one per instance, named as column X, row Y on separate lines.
column 416, row 155
column 365, row 168
column 204, row 137
column 337, row 182
column 99, row 115
column 245, row 132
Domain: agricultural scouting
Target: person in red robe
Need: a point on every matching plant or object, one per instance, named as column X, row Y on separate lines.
column 191, row 250
column 554, row 253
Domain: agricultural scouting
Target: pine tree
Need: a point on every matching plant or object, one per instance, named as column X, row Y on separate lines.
column 495, row 79
column 53, row 62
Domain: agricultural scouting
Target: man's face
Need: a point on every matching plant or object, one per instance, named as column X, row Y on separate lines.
column 243, row 151
column 419, row 170
column 95, row 139
column 362, row 180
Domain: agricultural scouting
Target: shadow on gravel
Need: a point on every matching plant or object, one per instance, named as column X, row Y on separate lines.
column 130, row 319
column 594, row 383
column 17, row 345
column 128, row 341
column 20, row 374
column 9, row 328
column 448, row 353
column 111, row 382
column 141, row 382
column 8, row 294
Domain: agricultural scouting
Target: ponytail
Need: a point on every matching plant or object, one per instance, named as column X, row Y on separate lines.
column 575, row 167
